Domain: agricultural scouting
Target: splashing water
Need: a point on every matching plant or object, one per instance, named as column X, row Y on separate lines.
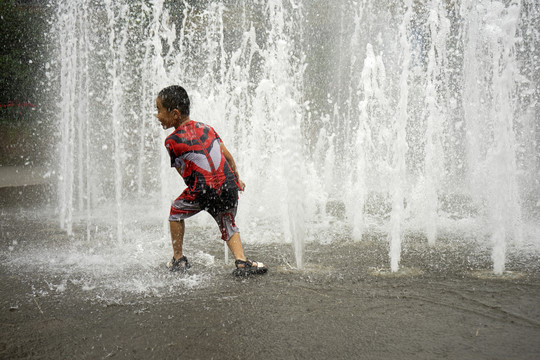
column 408, row 116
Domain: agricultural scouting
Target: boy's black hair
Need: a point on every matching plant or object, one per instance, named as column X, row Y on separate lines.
column 175, row 97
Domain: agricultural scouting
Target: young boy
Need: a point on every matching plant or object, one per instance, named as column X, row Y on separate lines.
column 210, row 173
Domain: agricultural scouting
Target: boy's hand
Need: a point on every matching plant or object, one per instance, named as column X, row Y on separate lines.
column 242, row 185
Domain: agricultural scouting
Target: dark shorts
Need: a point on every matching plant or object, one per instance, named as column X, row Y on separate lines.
column 221, row 205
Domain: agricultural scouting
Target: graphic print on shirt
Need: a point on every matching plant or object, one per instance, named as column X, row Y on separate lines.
column 194, row 148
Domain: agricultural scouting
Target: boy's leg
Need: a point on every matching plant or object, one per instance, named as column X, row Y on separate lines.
column 177, row 237
column 235, row 245
column 183, row 207
column 230, row 232
column 227, row 227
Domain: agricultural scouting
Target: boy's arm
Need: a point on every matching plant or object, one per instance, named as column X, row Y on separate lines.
column 232, row 164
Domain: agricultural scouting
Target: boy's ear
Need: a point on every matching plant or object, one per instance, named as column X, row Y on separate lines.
column 177, row 112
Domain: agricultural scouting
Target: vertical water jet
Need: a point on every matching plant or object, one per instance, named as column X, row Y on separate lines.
column 416, row 118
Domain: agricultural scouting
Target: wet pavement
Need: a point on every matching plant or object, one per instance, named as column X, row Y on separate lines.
column 70, row 297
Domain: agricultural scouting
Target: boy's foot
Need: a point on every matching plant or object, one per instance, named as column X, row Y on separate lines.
column 248, row 267
column 181, row 264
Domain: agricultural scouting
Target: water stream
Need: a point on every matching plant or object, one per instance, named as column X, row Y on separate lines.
column 387, row 117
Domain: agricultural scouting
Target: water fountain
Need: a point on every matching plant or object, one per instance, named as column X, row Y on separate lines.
column 403, row 113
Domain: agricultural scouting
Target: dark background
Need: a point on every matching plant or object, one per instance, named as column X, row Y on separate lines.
column 25, row 127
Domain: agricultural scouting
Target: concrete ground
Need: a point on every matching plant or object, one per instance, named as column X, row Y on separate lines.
column 63, row 298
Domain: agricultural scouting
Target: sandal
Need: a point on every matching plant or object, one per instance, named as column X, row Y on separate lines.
column 181, row 264
column 246, row 268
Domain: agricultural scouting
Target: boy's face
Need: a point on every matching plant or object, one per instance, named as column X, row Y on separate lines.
column 168, row 119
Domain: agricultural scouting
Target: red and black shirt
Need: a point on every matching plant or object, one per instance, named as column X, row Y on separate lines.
column 195, row 149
